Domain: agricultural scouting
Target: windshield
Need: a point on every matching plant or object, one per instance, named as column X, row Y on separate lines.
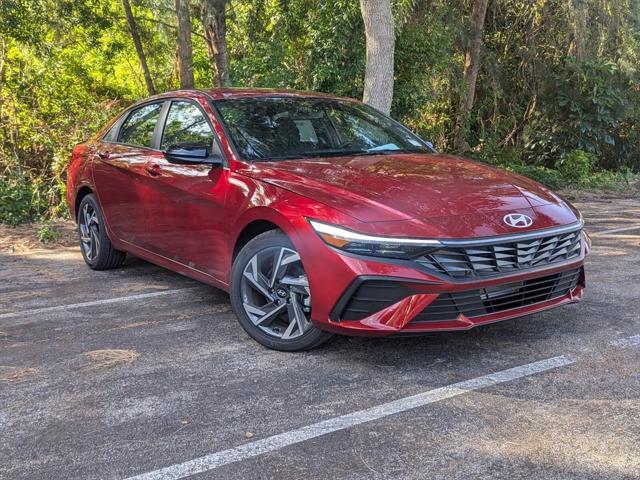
column 279, row 128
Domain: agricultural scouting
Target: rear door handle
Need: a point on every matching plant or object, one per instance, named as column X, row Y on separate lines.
column 153, row 169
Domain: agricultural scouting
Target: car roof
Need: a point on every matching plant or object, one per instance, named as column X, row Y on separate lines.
column 232, row 92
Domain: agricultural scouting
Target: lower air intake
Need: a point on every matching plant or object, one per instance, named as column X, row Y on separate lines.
column 485, row 301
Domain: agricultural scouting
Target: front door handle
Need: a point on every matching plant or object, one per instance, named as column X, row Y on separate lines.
column 153, row 169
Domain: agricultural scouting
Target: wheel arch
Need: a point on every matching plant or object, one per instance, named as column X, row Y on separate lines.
column 249, row 232
column 257, row 221
column 82, row 192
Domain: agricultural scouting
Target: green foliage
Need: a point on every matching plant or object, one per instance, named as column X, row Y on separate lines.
column 56, row 89
column 584, row 111
column 424, row 69
column 67, row 66
column 607, row 180
column 20, row 200
column 576, row 166
column 547, row 176
column 47, row 233
column 305, row 44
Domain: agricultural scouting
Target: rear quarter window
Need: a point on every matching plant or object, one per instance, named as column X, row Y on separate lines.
column 138, row 128
column 112, row 133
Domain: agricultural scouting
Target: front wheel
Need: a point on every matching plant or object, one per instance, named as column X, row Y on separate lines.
column 270, row 295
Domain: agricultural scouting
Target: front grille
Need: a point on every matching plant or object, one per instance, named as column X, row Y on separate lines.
column 483, row 260
column 478, row 302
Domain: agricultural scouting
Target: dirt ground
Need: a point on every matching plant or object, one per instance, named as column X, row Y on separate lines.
column 24, row 238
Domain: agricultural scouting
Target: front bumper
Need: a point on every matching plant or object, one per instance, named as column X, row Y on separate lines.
column 433, row 308
column 424, row 302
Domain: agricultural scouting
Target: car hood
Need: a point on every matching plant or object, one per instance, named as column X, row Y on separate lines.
column 442, row 189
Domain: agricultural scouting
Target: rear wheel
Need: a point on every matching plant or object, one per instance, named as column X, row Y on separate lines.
column 270, row 294
column 95, row 245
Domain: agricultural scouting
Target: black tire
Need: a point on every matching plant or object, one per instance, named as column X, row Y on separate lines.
column 101, row 255
column 311, row 338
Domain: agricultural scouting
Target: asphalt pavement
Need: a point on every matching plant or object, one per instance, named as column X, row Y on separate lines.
column 142, row 372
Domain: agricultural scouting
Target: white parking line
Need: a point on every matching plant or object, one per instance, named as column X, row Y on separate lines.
column 62, row 308
column 614, row 230
column 632, row 341
column 276, row 442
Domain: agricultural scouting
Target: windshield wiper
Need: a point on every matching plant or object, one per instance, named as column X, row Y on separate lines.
column 342, row 153
column 292, row 156
column 386, row 151
column 316, row 154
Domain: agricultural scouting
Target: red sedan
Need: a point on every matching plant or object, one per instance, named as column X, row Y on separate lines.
column 320, row 215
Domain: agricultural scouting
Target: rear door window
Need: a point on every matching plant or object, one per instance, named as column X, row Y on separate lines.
column 138, row 128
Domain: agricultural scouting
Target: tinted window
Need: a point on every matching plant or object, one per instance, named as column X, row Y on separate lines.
column 187, row 126
column 138, row 127
column 280, row 128
column 111, row 135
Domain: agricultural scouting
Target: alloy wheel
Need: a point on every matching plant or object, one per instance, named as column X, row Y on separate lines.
column 275, row 293
column 89, row 231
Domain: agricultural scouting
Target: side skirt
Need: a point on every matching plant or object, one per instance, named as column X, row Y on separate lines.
column 167, row 263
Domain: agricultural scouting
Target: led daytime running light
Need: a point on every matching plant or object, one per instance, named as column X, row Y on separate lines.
column 339, row 237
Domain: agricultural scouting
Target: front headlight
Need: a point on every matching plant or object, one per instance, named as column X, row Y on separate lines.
column 363, row 244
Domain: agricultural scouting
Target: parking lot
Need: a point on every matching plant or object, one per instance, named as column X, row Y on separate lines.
column 141, row 372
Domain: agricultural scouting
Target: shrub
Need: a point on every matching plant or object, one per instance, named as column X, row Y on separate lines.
column 20, row 200
column 576, row 165
column 492, row 152
column 48, row 233
column 624, row 181
column 583, row 109
column 547, row 176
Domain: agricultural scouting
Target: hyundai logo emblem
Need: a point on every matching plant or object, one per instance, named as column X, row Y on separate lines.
column 517, row 220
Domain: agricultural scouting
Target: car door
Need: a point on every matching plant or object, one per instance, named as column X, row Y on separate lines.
column 119, row 166
column 185, row 212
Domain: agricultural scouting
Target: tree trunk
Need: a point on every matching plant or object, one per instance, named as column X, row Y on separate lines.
column 133, row 28
column 214, row 23
column 3, row 59
column 578, row 11
column 185, row 50
column 380, row 38
column 472, row 62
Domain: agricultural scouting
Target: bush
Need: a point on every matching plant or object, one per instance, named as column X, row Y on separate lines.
column 576, row 165
column 48, row 233
column 623, row 181
column 546, row 176
column 584, row 108
column 491, row 152
column 20, row 201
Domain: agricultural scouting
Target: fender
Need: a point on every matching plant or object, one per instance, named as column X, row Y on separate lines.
column 281, row 207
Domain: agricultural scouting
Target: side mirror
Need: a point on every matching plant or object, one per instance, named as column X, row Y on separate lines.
column 192, row 154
